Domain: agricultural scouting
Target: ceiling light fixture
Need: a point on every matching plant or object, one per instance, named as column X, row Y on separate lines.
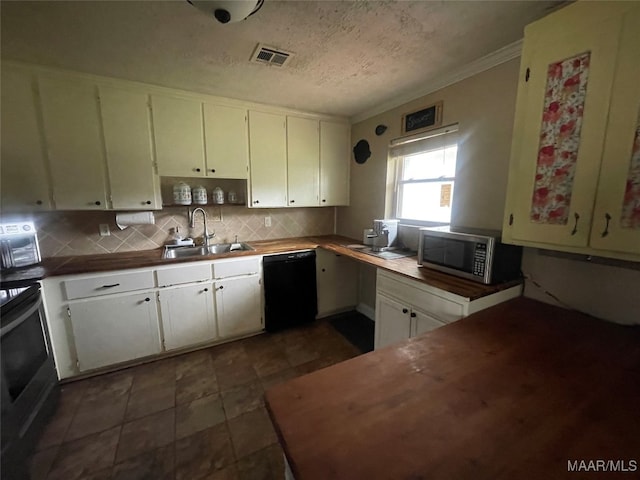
column 228, row 11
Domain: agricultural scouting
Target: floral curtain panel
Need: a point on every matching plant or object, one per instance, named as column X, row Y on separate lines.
column 559, row 139
column 631, row 204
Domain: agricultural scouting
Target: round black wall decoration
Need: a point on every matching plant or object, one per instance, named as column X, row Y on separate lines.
column 380, row 129
column 361, row 151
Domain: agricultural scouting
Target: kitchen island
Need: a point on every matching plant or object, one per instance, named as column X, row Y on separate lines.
column 522, row 390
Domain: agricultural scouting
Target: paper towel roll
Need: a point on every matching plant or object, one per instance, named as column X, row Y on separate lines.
column 123, row 220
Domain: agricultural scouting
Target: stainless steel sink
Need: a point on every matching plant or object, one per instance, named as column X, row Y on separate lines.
column 218, row 248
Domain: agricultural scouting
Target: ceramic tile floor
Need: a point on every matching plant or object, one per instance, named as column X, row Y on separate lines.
column 200, row 415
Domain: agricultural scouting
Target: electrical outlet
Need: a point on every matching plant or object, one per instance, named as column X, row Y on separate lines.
column 267, row 221
column 104, row 230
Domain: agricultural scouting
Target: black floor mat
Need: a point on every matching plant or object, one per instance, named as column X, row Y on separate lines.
column 356, row 328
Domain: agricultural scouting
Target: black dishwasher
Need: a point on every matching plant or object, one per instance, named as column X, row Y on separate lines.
column 290, row 295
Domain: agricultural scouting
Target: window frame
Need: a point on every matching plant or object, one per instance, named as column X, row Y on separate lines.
column 399, row 165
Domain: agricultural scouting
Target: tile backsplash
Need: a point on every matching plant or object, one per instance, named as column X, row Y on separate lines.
column 77, row 233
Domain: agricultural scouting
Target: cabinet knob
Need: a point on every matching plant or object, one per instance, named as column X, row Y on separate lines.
column 413, row 315
column 213, row 170
column 206, row 289
column 324, row 200
column 38, row 202
column 147, row 299
column 197, row 169
column 148, row 202
column 256, row 201
column 405, row 310
column 98, row 202
column 220, row 287
column 324, row 270
column 292, row 201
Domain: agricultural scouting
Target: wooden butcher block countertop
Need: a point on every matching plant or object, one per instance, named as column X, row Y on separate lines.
column 406, row 266
column 513, row 392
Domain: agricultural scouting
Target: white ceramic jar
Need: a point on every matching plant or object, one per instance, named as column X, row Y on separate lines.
column 199, row 195
column 218, row 196
column 181, row 194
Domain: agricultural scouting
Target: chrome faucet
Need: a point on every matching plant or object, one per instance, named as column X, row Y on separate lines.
column 192, row 224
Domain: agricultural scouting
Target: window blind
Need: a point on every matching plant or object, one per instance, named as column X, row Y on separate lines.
column 432, row 140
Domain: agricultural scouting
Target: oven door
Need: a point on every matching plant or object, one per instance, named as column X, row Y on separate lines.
column 28, row 371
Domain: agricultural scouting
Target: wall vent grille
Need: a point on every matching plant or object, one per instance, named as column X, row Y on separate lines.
column 270, row 56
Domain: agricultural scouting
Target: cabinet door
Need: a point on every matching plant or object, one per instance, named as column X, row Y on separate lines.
column 127, row 135
column 25, row 183
column 570, row 72
column 187, row 315
column 335, row 139
column 337, row 281
column 178, row 135
column 303, row 161
column 422, row 323
column 227, row 141
column 393, row 323
column 616, row 224
column 238, row 306
column 116, row 329
column 268, row 159
column 74, row 141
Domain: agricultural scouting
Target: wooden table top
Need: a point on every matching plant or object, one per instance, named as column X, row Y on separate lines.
column 513, row 392
column 406, row 266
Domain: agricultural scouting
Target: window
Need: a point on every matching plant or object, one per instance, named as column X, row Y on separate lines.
column 425, row 178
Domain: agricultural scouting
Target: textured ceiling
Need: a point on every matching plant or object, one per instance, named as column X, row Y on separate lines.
column 349, row 55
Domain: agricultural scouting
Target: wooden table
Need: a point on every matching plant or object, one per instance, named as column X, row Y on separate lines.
column 513, row 392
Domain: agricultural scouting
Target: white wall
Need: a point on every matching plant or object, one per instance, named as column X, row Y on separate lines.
column 604, row 291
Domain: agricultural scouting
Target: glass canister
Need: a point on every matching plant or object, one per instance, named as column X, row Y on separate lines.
column 199, row 195
column 218, row 196
column 181, row 194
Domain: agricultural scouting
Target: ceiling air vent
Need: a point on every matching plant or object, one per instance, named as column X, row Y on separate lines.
column 270, row 56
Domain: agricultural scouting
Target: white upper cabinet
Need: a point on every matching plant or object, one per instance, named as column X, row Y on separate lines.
column 574, row 178
column 25, row 185
column 74, row 141
column 335, row 139
column 303, row 162
column 127, row 136
column 226, row 140
column 268, row 159
column 179, row 137
column 616, row 216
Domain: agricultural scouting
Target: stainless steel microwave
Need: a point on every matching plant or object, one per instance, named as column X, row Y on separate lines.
column 475, row 254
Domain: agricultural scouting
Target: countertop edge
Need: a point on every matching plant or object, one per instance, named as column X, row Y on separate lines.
column 406, row 267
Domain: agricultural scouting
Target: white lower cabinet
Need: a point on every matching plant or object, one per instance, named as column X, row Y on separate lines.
column 114, row 329
column 187, row 315
column 406, row 308
column 238, row 303
column 106, row 319
column 337, row 282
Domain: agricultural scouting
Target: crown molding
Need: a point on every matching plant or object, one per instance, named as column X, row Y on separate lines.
column 491, row 60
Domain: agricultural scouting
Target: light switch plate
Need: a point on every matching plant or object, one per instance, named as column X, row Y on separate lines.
column 104, row 230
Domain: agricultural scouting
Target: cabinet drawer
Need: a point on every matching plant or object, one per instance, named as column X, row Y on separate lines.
column 107, row 284
column 441, row 308
column 184, row 274
column 234, row 267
